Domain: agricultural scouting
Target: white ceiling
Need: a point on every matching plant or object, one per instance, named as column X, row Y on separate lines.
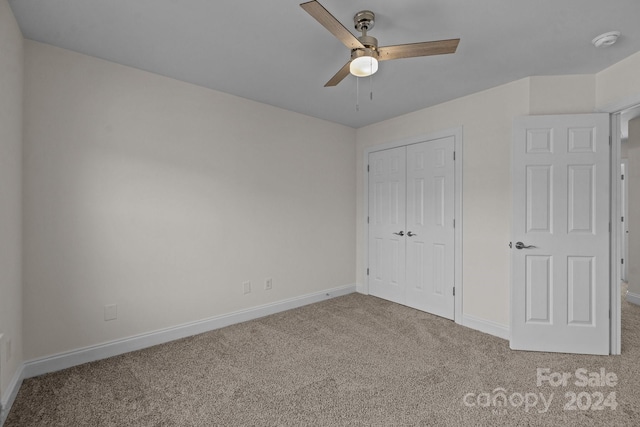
column 274, row 52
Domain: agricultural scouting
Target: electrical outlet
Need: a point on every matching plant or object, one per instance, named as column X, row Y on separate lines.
column 268, row 284
column 110, row 312
column 246, row 286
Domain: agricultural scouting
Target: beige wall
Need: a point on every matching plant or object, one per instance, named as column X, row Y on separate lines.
column 163, row 197
column 11, row 76
column 562, row 94
column 619, row 83
column 11, row 79
column 633, row 154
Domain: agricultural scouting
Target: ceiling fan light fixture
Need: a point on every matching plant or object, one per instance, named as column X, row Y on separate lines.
column 363, row 66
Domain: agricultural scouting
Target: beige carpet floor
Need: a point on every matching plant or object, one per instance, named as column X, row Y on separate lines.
column 354, row 360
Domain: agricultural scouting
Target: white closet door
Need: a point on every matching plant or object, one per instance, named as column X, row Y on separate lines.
column 430, row 228
column 387, row 220
column 411, row 230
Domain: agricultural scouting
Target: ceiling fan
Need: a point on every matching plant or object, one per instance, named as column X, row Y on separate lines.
column 365, row 52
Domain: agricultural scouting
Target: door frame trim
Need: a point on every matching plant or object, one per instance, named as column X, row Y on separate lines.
column 457, row 135
column 624, row 195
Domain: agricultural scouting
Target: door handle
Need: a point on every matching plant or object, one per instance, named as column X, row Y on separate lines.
column 410, row 234
column 520, row 245
column 399, row 234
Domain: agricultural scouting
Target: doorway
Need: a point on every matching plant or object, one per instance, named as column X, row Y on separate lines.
column 626, row 121
column 621, row 114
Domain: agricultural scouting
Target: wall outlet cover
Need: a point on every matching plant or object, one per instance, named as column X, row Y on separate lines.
column 110, row 312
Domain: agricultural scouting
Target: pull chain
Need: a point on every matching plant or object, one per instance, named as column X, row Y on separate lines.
column 357, row 93
column 358, row 89
column 371, row 84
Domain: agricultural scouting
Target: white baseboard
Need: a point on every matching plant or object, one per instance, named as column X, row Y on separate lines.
column 68, row 359
column 487, row 326
column 633, row 298
column 12, row 392
column 361, row 289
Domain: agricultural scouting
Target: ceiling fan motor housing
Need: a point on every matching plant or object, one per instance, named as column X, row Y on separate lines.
column 368, row 41
column 367, row 51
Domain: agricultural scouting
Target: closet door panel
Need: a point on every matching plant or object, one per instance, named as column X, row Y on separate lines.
column 430, row 228
column 387, row 221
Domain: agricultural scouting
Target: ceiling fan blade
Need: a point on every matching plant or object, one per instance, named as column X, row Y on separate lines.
column 411, row 50
column 339, row 76
column 334, row 26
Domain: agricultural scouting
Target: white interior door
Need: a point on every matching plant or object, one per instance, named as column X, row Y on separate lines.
column 387, row 220
column 411, row 229
column 560, row 278
column 430, row 232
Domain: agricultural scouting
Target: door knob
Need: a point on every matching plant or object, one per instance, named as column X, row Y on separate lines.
column 410, row 234
column 399, row 234
column 520, row 245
